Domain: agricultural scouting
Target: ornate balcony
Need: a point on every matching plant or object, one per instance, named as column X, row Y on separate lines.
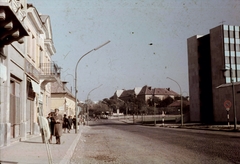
column 50, row 72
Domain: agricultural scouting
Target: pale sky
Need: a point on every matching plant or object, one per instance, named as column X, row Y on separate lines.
column 148, row 40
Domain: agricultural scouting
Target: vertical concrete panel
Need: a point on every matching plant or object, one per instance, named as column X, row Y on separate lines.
column 217, row 58
column 193, row 79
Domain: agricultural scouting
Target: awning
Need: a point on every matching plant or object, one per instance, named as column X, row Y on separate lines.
column 228, row 84
column 36, row 87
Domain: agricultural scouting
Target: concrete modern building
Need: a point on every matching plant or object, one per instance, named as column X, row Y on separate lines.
column 214, row 72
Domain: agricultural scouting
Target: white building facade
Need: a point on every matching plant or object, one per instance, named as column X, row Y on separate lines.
column 26, row 73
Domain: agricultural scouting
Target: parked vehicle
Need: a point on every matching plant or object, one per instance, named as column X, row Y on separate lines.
column 104, row 116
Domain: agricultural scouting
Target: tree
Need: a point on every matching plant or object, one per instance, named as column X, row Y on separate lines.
column 98, row 108
column 136, row 104
column 111, row 103
column 165, row 102
column 153, row 101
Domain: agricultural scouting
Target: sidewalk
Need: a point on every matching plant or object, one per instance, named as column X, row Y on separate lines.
column 34, row 151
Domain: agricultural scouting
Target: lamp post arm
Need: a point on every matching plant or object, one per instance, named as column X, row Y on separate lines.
column 87, row 54
column 101, row 45
column 88, row 101
column 81, row 59
column 93, row 90
column 177, row 84
column 181, row 99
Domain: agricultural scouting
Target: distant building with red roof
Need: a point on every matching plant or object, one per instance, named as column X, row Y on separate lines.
column 145, row 93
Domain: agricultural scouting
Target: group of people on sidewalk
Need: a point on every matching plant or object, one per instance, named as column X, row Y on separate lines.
column 58, row 124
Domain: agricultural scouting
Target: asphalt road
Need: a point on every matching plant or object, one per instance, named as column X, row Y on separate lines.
column 112, row 141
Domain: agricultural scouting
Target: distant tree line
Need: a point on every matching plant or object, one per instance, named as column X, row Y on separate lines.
column 133, row 105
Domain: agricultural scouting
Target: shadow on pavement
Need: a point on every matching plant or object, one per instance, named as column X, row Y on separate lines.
column 34, row 142
column 8, row 162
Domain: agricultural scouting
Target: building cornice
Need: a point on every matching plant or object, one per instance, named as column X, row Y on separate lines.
column 35, row 19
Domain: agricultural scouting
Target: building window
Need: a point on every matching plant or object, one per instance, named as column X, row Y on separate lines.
column 232, row 40
column 231, row 34
column 236, row 28
column 236, row 34
column 237, row 47
column 232, row 47
column 233, row 73
column 238, row 60
column 225, row 34
column 237, row 41
column 225, row 27
column 226, row 47
column 228, row 80
column 227, row 53
column 226, row 40
column 237, row 53
column 227, row 60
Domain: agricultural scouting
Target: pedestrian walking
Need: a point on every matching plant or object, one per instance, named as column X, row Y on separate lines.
column 65, row 123
column 74, row 122
column 70, row 123
column 57, row 131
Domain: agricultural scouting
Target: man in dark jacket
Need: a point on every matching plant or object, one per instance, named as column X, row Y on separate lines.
column 74, row 122
column 69, row 123
column 65, row 123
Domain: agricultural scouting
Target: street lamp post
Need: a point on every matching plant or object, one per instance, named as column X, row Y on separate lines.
column 76, row 104
column 88, row 101
column 181, row 99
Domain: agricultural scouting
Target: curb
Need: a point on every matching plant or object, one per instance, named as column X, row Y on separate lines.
column 194, row 127
column 66, row 159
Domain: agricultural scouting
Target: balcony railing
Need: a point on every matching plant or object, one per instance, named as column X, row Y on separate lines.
column 50, row 69
column 48, row 72
column 31, row 70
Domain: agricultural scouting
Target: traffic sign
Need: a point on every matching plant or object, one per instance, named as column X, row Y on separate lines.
column 227, row 104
